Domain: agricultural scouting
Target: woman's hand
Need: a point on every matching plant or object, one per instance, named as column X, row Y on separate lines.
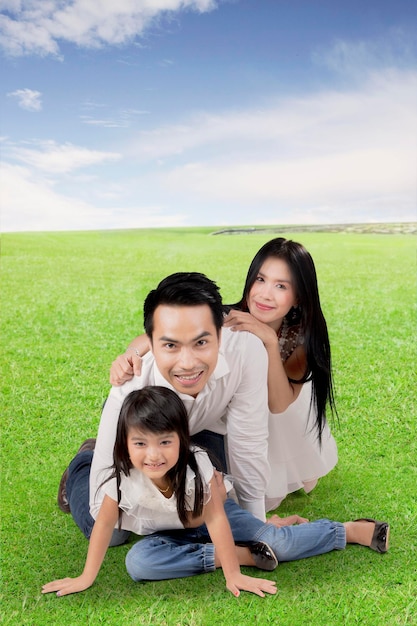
column 125, row 367
column 259, row 586
column 279, row 522
column 65, row 586
column 239, row 320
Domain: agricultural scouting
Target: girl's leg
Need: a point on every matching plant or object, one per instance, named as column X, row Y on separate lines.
column 169, row 555
column 289, row 543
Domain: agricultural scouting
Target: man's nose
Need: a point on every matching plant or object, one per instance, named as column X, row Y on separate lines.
column 187, row 358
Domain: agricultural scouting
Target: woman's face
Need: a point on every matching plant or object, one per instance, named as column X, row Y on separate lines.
column 272, row 294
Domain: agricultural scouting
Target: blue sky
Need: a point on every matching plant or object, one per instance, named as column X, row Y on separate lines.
column 200, row 112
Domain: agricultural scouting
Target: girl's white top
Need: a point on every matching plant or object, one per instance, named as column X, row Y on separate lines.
column 145, row 509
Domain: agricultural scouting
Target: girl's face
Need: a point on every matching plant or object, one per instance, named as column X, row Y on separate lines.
column 272, row 294
column 154, row 454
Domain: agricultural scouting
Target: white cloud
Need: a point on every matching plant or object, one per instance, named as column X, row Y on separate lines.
column 32, row 204
column 59, row 159
column 34, row 27
column 28, row 99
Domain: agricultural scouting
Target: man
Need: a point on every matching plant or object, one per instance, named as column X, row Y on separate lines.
column 219, row 375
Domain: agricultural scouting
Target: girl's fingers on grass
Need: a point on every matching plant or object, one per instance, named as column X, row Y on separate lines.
column 65, row 586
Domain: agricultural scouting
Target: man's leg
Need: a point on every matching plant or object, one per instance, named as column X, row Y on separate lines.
column 78, row 496
column 214, row 444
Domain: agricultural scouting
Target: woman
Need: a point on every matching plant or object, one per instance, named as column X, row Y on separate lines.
column 281, row 305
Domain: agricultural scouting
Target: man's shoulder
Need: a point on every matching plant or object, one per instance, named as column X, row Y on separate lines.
column 240, row 341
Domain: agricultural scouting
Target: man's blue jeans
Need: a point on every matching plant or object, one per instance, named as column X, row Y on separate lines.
column 180, row 553
column 78, row 494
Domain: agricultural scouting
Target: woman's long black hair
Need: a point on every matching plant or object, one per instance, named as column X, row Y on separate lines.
column 158, row 410
column 308, row 314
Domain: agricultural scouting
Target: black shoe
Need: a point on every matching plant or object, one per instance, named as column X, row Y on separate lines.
column 263, row 555
column 88, row 444
column 380, row 538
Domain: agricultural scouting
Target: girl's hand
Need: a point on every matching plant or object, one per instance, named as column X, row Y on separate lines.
column 259, row 586
column 239, row 320
column 65, row 586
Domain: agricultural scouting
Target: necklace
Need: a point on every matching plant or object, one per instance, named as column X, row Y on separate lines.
column 164, row 490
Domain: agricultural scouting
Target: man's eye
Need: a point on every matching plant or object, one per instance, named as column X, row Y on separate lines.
column 202, row 342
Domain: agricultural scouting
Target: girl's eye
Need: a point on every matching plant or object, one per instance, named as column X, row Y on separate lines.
column 165, row 443
column 139, row 444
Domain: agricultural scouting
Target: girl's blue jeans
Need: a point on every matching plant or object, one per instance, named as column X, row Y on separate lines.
column 176, row 554
column 180, row 553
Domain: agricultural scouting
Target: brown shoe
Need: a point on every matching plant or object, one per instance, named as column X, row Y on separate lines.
column 88, row 444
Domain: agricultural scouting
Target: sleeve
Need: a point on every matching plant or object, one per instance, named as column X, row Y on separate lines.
column 247, row 429
column 106, row 437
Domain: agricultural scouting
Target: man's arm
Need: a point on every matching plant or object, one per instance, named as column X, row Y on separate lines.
column 247, row 427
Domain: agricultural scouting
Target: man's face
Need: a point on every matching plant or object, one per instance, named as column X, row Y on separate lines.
column 185, row 345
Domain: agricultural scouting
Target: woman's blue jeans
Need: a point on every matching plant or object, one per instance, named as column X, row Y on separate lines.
column 180, row 553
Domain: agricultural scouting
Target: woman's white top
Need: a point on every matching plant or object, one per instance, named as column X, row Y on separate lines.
column 294, row 453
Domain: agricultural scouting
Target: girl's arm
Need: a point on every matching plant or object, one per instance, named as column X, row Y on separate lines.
column 281, row 392
column 99, row 542
column 129, row 364
column 225, row 550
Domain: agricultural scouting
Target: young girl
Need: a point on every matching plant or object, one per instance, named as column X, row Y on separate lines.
column 281, row 305
column 161, row 488
column 159, row 483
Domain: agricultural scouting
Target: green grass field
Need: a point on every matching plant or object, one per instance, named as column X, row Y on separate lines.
column 71, row 302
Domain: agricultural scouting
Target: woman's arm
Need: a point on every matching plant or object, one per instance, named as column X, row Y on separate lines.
column 281, row 392
column 99, row 542
column 225, row 550
column 129, row 364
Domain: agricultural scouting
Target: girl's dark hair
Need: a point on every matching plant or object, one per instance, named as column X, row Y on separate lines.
column 308, row 314
column 158, row 410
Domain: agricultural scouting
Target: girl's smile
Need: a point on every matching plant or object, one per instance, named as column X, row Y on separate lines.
column 154, row 454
